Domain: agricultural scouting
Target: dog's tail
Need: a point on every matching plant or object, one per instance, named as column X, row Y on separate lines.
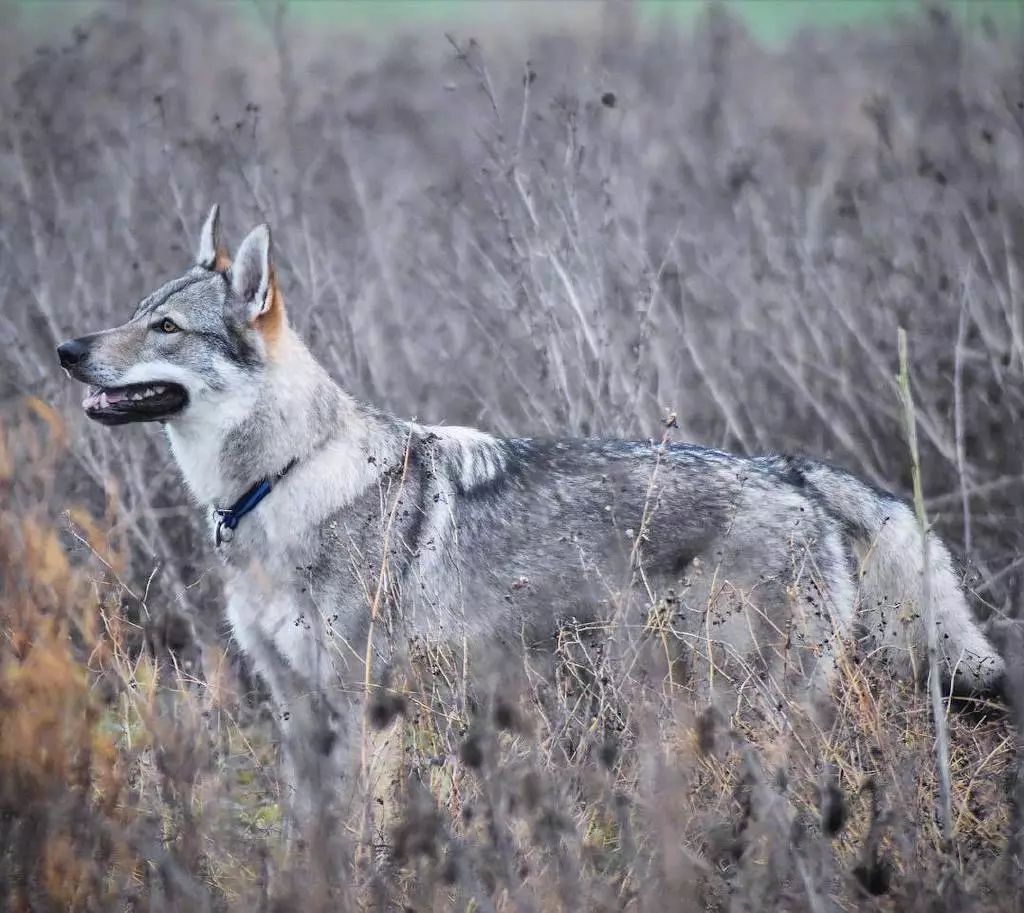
column 888, row 546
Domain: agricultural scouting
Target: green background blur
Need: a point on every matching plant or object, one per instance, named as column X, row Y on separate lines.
column 773, row 21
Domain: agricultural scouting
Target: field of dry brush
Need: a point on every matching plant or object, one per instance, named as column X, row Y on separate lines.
column 564, row 230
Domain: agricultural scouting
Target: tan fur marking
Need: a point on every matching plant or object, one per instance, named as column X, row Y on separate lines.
column 271, row 322
column 222, row 261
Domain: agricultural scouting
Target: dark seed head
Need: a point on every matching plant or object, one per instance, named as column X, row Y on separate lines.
column 531, row 790
column 833, row 808
column 172, row 632
column 379, row 714
column 471, row 752
column 450, row 870
column 505, row 716
column 781, row 779
column 384, row 708
column 707, row 726
column 874, row 877
column 609, row 100
column 608, row 754
column 324, row 741
column 419, row 833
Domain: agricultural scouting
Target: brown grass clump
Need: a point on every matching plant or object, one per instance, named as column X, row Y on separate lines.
column 101, row 738
column 62, row 776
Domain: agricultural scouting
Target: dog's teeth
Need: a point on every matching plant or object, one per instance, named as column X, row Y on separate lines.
column 103, row 403
column 136, row 396
column 160, row 389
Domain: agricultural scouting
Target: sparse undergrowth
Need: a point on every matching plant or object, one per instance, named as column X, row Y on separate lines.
column 598, row 783
column 631, row 220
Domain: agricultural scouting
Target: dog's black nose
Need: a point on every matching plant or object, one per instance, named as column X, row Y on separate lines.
column 71, row 352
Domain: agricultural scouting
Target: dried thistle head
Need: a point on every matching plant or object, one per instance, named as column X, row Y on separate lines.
column 832, row 802
column 384, row 708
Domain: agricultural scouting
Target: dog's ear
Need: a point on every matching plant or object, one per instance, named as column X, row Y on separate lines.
column 212, row 254
column 252, row 275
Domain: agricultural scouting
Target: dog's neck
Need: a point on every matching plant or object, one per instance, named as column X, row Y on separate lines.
column 291, row 408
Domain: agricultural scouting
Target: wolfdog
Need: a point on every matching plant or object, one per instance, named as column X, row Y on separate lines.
column 343, row 529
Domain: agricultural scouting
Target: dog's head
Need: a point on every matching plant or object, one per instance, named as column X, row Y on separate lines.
column 190, row 345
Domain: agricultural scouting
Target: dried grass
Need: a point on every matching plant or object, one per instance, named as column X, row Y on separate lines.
column 635, row 220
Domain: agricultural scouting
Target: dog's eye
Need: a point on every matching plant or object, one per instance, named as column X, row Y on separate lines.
column 167, row 326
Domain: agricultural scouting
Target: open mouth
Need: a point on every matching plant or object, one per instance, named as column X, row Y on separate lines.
column 135, row 403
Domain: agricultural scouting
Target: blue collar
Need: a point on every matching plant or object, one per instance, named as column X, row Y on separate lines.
column 228, row 519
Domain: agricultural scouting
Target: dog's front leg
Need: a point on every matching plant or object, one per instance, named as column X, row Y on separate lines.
column 319, row 766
